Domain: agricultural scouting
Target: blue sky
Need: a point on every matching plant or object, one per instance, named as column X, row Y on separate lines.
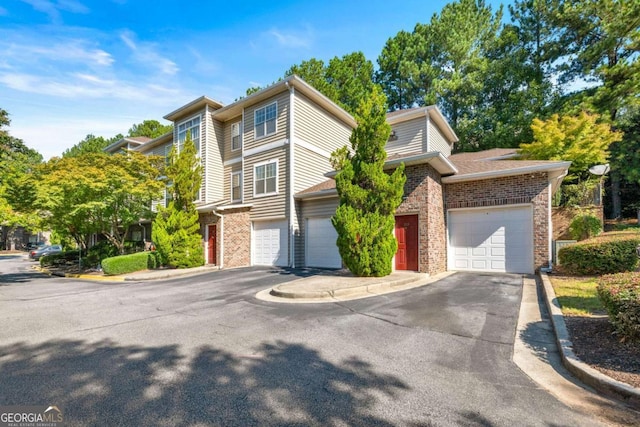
column 73, row 67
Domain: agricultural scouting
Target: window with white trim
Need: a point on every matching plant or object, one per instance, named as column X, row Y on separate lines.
column 236, row 186
column 236, row 137
column 265, row 178
column 191, row 127
column 265, row 120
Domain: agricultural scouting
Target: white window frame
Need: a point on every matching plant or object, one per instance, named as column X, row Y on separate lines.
column 236, row 127
column 233, row 175
column 255, row 180
column 264, row 122
column 189, row 126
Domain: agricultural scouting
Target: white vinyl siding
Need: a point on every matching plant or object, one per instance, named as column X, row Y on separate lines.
column 265, row 120
column 236, row 186
column 411, row 137
column 437, row 141
column 213, row 177
column 249, row 140
column 491, row 239
column 317, row 127
column 265, row 179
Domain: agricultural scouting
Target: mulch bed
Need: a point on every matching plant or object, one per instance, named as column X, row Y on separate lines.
column 595, row 343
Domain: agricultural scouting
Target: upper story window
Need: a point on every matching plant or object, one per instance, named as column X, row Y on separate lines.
column 265, row 178
column 265, row 120
column 236, row 186
column 236, row 136
column 191, row 127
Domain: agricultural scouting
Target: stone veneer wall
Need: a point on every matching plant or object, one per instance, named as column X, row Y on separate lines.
column 424, row 197
column 512, row 190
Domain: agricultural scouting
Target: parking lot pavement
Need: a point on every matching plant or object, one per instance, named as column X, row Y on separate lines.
column 203, row 350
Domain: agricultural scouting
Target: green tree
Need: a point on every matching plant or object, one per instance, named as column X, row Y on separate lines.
column 345, row 80
column 97, row 193
column 90, row 144
column 369, row 197
column 579, row 139
column 176, row 229
column 150, row 129
column 16, row 163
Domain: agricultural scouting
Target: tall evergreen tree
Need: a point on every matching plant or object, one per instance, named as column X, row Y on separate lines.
column 176, row 229
column 368, row 196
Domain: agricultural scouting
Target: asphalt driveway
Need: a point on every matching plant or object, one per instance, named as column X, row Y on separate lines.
column 203, row 351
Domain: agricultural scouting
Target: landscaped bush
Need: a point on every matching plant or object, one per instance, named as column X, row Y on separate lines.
column 620, row 294
column 585, row 226
column 67, row 256
column 614, row 254
column 98, row 252
column 123, row 264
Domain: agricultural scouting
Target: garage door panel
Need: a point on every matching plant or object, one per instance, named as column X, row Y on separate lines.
column 270, row 243
column 492, row 239
column 321, row 248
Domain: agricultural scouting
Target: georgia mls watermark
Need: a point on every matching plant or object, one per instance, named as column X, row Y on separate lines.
column 31, row 416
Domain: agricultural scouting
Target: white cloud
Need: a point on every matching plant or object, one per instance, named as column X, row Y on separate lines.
column 65, row 51
column 145, row 53
column 53, row 8
column 292, row 39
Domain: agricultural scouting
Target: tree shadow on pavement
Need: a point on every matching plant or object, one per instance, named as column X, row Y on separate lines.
column 10, row 278
column 103, row 383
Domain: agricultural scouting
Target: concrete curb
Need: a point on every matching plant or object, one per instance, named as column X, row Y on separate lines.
column 581, row 370
column 344, row 292
column 347, row 293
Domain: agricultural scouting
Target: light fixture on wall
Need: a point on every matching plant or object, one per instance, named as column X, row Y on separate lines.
column 393, row 136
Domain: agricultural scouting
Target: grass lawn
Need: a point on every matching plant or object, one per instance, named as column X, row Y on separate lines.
column 578, row 295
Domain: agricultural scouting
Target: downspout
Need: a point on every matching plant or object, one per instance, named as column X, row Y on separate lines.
column 221, row 264
column 292, row 210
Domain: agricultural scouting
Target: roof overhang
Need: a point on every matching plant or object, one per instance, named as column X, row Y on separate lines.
column 162, row 139
column 434, row 158
column 434, row 114
column 235, row 109
column 316, row 195
column 124, row 142
column 221, row 206
column 556, row 172
column 192, row 107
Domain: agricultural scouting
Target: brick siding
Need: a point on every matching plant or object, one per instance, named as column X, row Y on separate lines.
column 423, row 196
column 519, row 189
column 237, row 236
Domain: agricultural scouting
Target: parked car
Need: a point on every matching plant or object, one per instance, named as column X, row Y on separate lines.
column 36, row 254
column 35, row 245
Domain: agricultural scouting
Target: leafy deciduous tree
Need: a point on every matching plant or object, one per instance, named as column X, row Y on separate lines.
column 97, row 193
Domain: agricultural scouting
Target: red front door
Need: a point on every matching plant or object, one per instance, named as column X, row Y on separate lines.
column 407, row 236
column 212, row 244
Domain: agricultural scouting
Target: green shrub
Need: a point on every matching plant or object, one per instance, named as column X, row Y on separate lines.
column 98, row 252
column 620, row 294
column 585, row 226
column 123, row 264
column 67, row 256
column 601, row 256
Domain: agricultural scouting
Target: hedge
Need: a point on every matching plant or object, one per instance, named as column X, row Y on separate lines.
column 620, row 294
column 61, row 258
column 123, row 264
column 601, row 256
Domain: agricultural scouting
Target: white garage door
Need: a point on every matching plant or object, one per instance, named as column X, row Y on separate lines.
column 492, row 239
column 270, row 243
column 320, row 245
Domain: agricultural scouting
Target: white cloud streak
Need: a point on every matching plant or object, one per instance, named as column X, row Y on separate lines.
column 145, row 53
